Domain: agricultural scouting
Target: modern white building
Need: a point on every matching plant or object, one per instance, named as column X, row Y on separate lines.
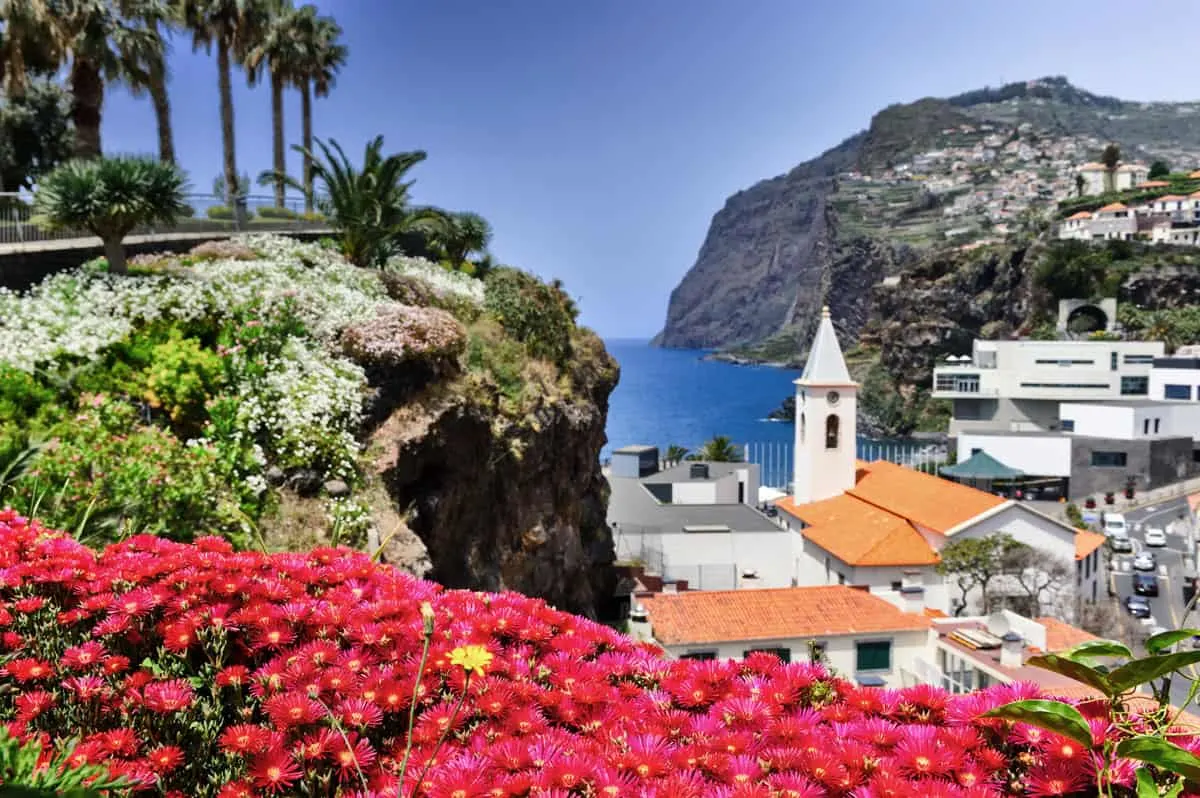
column 1016, row 386
column 1096, row 179
column 1177, row 377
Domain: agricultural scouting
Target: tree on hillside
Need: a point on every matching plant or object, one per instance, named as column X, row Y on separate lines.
column 233, row 26
column 461, row 234
column 721, row 449
column 1159, row 169
column 1044, row 582
column 109, row 197
column 1110, row 158
column 974, row 563
column 1079, row 184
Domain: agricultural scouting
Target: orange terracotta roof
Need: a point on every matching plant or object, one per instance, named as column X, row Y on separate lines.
column 1060, row 635
column 710, row 616
column 921, row 499
column 858, row 533
column 1171, row 197
column 1132, row 167
column 1194, row 194
column 1195, row 174
column 1153, row 184
column 932, row 612
column 1080, row 215
column 1113, row 206
column 1092, row 165
column 1087, row 542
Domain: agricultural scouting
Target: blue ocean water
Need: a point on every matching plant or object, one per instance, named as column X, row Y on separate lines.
column 668, row 396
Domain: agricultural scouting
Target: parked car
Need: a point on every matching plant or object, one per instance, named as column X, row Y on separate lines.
column 1137, row 606
column 1120, row 543
column 1145, row 584
column 1145, row 561
column 1155, row 536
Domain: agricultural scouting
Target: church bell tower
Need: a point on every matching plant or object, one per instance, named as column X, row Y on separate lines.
column 826, row 421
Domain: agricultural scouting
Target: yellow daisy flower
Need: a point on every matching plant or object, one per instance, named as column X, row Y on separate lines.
column 473, row 659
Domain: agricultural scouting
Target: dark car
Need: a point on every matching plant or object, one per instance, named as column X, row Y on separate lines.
column 1145, row 584
column 1137, row 606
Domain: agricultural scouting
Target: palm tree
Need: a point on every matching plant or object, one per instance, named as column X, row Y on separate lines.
column 30, row 43
column 324, row 56
column 369, row 206
column 109, row 197
column 675, row 453
column 720, row 449
column 233, row 26
column 145, row 60
column 281, row 53
column 463, row 233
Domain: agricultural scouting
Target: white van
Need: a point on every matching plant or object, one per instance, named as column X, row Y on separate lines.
column 1114, row 524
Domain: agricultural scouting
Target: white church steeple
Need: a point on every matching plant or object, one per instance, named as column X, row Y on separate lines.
column 826, row 421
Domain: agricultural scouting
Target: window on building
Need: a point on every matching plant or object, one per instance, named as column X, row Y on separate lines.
column 897, row 585
column 803, row 428
column 831, row 431
column 1135, row 386
column 976, row 450
column 1064, row 362
column 699, row 655
column 784, row 654
column 1145, row 426
column 1108, row 459
column 1138, row 360
column 1177, row 391
column 874, row 655
column 841, row 578
column 1156, row 422
column 1097, row 386
column 1067, row 424
column 1113, row 361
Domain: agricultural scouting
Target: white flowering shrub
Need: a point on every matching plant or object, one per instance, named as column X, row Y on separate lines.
column 440, row 280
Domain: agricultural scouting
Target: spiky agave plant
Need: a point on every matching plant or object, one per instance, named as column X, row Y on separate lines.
column 109, row 197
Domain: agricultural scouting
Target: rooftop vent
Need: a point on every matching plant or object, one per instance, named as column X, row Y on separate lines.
column 698, row 471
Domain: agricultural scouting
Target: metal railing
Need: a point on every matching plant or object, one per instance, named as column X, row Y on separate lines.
column 209, row 214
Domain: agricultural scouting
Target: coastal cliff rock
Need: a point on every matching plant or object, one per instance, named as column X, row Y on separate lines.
column 1166, row 287
column 508, row 496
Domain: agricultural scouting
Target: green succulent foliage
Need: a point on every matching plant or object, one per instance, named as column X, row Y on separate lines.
column 1111, row 668
column 181, row 378
column 538, row 315
column 109, row 197
column 21, row 777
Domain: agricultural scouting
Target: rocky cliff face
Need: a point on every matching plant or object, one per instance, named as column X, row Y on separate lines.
column 505, row 498
column 764, row 251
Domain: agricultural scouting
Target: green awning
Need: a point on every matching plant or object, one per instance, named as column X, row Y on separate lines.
column 981, row 465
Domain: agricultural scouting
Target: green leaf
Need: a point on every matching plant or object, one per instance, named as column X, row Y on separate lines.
column 1053, row 716
column 1074, row 670
column 1147, row 669
column 1156, row 644
column 1146, row 788
column 1097, row 648
column 1162, row 754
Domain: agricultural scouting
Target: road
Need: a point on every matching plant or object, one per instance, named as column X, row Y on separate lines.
column 1174, row 560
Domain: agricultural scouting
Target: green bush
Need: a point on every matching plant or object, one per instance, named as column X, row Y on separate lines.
column 104, row 464
column 540, row 316
column 187, row 212
column 222, row 213
column 492, row 353
column 181, row 378
column 271, row 212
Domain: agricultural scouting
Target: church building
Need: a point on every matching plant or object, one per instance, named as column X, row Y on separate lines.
column 880, row 525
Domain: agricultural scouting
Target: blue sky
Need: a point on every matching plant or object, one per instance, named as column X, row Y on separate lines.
column 600, row 136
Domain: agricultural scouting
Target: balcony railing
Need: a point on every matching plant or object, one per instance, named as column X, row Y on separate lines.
column 17, row 225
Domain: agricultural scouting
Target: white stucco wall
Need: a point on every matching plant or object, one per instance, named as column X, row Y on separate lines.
column 821, row 473
column 1044, row 455
column 718, row 560
column 725, row 489
column 695, row 492
column 1099, row 420
column 1161, row 377
column 840, row 651
column 879, row 579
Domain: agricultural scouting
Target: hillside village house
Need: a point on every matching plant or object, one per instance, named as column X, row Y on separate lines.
column 860, row 635
column 878, row 524
column 1126, row 176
